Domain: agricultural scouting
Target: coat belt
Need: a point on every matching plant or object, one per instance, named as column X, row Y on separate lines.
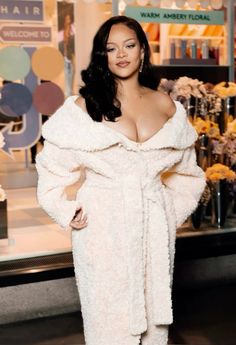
column 145, row 220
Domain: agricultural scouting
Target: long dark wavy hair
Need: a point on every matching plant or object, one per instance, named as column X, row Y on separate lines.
column 100, row 87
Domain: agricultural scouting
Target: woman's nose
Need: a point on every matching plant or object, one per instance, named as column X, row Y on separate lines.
column 121, row 52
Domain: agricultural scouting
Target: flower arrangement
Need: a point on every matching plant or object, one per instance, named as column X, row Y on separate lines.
column 188, row 87
column 206, row 127
column 2, row 194
column 224, row 90
column 231, row 128
column 219, row 172
column 206, row 196
column 184, row 87
column 225, row 145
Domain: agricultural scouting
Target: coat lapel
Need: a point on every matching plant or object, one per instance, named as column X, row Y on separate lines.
column 72, row 128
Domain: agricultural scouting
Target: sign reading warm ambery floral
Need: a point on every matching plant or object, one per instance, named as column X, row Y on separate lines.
column 162, row 15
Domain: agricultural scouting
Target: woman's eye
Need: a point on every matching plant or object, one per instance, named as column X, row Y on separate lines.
column 130, row 45
column 110, row 50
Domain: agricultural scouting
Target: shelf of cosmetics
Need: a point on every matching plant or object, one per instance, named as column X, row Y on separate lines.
column 193, row 52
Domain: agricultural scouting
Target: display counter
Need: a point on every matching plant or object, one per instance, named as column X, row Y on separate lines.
column 191, row 246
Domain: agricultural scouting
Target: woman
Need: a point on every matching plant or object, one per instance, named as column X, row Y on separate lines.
column 135, row 149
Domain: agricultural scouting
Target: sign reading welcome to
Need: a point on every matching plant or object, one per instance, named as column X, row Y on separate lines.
column 25, row 34
column 161, row 15
column 21, row 10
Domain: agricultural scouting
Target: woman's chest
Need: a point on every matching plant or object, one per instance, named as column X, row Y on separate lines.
column 138, row 122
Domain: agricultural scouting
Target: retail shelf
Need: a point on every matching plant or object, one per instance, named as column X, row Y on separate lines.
column 184, row 66
column 180, row 37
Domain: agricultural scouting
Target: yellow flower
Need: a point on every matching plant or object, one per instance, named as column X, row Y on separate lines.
column 219, row 172
column 225, row 91
column 201, row 126
column 214, row 177
column 231, row 127
column 214, row 132
column 230, row 118
column 207, row 126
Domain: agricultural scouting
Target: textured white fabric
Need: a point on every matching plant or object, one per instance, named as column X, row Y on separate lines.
column 135, row 195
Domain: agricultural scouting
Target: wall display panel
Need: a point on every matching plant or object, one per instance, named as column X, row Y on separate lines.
column 43, row 63
column 32, row 85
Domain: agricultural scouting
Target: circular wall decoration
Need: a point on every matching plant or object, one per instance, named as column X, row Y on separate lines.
column 166, row 3
column 14, row 63
column 155, row 2
column 204, row 3
column 193, row 3
column 47, row 98
column 216, row 4
column 47, row 63
column 180, row 3
column 16, row 99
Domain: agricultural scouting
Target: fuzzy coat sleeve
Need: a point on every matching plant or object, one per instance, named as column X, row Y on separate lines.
column 57, row 168
column 184, row 184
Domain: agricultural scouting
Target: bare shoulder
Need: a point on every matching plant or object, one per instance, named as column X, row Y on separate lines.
column 163, row 103
column 80, row 101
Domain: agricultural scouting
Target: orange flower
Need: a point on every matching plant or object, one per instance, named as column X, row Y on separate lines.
column 219, row 172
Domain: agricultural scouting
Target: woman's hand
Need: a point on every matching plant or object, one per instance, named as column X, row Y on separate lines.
column 79, row 221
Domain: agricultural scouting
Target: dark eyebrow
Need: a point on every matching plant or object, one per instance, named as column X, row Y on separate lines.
column 129, row 39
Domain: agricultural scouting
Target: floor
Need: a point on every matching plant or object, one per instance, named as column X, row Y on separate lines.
column 203, row 317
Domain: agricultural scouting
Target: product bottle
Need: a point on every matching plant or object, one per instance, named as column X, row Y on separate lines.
column 193, row 50
column 172, row 49
column 178, row 49
column 205, row 50
column 199, row 50
column 183, row 48
column 217, row 54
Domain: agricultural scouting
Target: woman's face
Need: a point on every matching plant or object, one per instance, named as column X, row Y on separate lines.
column 124, row 52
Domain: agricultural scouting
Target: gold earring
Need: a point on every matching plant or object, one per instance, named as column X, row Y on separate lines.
column 141, row 66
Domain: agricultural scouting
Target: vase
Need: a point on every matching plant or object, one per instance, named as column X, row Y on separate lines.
column 203, row 142
column 220, row 202
column 197, row 216
column 3, row 220
column 223, row 118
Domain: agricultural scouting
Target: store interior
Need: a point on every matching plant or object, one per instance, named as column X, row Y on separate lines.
column 193, row 55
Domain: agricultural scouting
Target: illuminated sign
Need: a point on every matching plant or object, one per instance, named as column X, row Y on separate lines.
column 160, row 15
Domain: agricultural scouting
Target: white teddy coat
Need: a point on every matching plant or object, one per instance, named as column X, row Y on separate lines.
column 135, row 195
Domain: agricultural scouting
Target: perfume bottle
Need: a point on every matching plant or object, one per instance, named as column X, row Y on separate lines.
column 172, row 49
column 193, row 49
column 178, row 49
column 216, row 52
column 205, row 50
column 183, row 48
